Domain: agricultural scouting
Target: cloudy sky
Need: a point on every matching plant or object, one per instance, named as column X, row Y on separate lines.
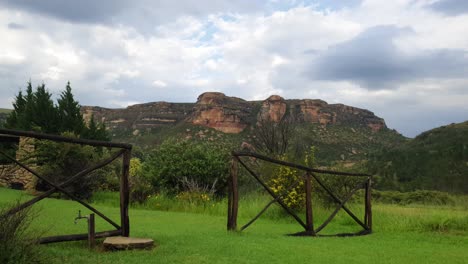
column 405, row 60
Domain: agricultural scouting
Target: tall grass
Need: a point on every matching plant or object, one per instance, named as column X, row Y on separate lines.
column 392, row 217
column 18, row 244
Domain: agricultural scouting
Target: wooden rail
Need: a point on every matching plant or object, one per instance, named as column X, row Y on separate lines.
column 124, row 152
column 308, row 178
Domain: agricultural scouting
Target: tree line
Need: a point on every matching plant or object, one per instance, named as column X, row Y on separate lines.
column 35, row 110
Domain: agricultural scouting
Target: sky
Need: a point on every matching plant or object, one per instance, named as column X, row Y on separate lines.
column 405, row 60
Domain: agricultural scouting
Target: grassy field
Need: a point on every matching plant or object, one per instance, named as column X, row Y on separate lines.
column 402, row 234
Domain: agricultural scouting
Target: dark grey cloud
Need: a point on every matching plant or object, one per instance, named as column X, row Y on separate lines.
column 83, row 11
column 143, row 15
column 15, row 26
column 372, row 60
column 450, row 7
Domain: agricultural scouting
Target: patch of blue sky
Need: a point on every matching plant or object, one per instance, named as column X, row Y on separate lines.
column 324, row 5
column 209, row 29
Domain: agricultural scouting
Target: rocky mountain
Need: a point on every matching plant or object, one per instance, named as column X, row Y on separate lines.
column 341, row 133
column 231, row 114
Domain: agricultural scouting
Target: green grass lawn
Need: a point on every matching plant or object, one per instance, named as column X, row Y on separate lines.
column 402, row 235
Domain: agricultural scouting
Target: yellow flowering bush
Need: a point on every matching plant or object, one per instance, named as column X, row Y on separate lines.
column 285, row 177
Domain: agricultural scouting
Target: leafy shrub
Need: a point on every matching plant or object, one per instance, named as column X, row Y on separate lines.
column 203, row 162
column 17, row 243
column 140, row 187
column 60, row 161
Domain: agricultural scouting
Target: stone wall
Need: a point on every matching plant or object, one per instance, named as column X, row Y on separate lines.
column 15, row 177
column 6, row 174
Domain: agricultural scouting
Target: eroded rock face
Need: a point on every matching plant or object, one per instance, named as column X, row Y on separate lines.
column 315, row 111
column 220, row 112
column 353, row 115
column 230, row 114
column 142, row 117
column 273, row 108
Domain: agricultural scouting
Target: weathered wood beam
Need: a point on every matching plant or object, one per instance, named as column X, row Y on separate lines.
column 125, row 194
column 309, row 214
column 95, row 143
column 233, row 197
column 293, row 165
column 75, row 237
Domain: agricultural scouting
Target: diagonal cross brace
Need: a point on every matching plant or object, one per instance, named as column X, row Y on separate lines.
column 59, row 186
column 285, row 207
column 333, row 214
column 338, row 201
column 272, row 202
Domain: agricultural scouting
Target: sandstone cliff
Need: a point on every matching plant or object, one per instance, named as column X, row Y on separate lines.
column 231, row 114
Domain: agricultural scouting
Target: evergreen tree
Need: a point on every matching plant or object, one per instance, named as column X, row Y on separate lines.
column 95, row 131
column 26, row 120
column 45, row 114
column 69, row 112
column 18, row 108
column 36, row 111
column 21, row 116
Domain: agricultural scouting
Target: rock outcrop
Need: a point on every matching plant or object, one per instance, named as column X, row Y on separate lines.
column 273, row 108
column 230, row 114
column 216, row 110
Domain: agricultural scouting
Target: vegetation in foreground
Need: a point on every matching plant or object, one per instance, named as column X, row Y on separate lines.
column 17, row 243
column 402, row 234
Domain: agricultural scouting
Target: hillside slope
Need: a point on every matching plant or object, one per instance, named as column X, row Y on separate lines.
column 436, row 159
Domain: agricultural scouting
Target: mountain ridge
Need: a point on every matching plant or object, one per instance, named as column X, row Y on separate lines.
column 231, row 114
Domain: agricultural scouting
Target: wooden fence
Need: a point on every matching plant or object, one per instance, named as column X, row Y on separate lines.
column 123, row 150
column 309, row 176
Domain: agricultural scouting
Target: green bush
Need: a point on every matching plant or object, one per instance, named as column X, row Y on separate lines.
column 59, row 161
column 17, row 243
column 140, row 187
column 205, row 163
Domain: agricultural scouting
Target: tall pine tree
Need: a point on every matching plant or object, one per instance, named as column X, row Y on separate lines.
column 36, row 111
column 69, row 112
column 45, row 115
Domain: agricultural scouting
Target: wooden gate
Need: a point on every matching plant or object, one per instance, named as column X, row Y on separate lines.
column 310, row 174
column 123, row 150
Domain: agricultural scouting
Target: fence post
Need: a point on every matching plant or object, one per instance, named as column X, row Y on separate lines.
column 309, row 213
column 233, row 202
column 368, row 218
column 125, row 194
column 91, row 231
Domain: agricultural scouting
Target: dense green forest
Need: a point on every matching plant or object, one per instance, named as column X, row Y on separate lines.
column 436, row 159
